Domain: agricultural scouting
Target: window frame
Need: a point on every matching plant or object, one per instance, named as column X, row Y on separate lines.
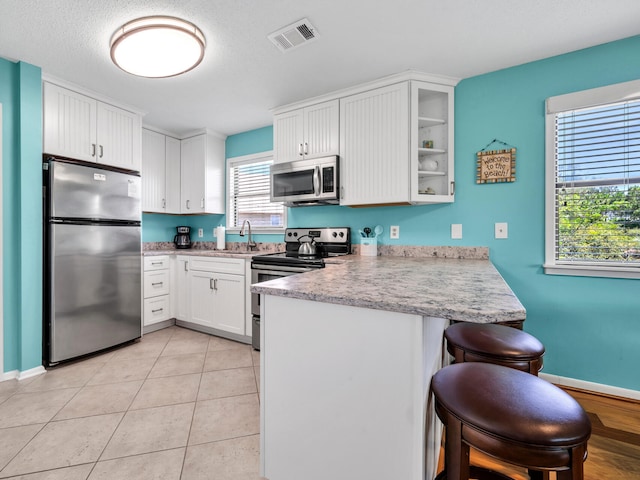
column 244, row 160
column 595, row 97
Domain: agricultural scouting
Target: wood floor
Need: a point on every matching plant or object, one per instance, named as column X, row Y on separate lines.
column 614, row 446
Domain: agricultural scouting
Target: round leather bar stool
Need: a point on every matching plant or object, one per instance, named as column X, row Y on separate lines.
column 498, row 344
column 512, row 416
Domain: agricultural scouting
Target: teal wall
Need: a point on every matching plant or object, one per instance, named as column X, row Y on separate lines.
column 21, row 98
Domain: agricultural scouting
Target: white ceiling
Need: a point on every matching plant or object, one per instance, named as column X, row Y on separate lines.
column 243, row 75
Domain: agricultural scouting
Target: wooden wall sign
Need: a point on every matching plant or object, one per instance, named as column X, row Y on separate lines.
column 496, row 166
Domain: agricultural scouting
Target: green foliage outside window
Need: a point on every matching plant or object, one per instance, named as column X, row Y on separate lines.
column 599, row 224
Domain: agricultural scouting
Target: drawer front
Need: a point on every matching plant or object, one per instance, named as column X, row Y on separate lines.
column 219, row 265
column 156, row 283
column 159, row 262
column 156, row 310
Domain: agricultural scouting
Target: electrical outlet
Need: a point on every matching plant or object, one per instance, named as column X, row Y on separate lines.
column 200, row 233
column 456, row 230
column 502, row 230
column 394, row 232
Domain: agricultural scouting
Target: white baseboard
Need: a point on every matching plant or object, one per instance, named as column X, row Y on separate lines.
column 31, row 372
column 9, row 375
column 590, row 386
column 17, row 374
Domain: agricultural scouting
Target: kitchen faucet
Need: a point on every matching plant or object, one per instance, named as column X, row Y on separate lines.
column 250, row 243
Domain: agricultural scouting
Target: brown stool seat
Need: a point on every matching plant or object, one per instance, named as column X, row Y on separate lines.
column 510, row 415
column 490, row 343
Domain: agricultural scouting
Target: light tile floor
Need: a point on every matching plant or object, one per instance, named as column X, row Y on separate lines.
column 179, row 404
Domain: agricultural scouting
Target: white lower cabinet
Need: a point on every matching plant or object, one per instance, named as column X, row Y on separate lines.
column 209, row 293
column 217, row 293
column 180, row 291
column 157, row 289
column 217, row 301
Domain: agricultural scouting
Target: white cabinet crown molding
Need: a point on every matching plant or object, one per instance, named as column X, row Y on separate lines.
column 371, row 85
column 90, row 93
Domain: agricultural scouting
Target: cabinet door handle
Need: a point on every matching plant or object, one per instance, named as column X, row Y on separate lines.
column 202, row 203
column 101, row 152
column 164, row 203
column 186, row 266
column 156, row 263
column 157, row 283
column 188, row 207
column 93, row 149
column 215, row 284
column 157, row 310
column 453, row 188
column 306, row 148
column 300, row 149
column 211, row 284
column 341, row 192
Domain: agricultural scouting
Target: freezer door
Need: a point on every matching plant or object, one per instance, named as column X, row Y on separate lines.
column 81, row 191
column 95, row 287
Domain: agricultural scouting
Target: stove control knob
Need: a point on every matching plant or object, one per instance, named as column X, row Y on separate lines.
column 341, row 234
column 335, row 234
column 295, row 234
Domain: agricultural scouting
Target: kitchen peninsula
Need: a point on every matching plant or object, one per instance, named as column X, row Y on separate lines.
column 347, row 356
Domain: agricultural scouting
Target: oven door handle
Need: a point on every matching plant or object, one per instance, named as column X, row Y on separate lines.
column 281, row 269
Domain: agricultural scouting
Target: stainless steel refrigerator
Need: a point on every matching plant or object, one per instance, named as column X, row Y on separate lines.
column 92, row 255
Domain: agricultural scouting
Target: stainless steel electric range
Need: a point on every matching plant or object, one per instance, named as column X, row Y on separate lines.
column 327, row 241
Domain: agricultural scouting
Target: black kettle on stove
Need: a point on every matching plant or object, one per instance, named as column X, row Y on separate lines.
column 183, row 238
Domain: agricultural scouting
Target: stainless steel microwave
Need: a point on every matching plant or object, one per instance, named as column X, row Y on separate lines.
column 306, row 182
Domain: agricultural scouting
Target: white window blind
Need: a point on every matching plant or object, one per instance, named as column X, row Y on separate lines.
column 597, row 185
column 249, row 196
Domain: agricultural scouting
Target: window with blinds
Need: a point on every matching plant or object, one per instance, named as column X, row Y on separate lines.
column 249, row 196
column 597, row 185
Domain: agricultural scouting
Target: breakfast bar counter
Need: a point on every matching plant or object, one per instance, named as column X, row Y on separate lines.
column 347, row 357
column 469, row 290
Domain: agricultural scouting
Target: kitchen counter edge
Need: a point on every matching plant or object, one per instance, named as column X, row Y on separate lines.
column 202, row 253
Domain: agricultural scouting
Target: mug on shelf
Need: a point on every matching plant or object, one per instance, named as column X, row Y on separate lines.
column 428, row 164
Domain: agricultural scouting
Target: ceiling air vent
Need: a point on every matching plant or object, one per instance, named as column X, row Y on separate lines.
column 294, row 35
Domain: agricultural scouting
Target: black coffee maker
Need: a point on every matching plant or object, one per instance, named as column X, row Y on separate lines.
column 183, row 238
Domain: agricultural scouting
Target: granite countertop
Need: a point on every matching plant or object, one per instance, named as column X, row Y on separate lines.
column 208, row 249
column 201, row 253
column 468, row 290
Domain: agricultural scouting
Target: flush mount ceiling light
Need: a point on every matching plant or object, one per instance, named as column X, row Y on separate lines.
column 157, row 47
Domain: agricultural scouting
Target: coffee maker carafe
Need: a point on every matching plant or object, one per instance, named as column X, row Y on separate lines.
column 183, row 238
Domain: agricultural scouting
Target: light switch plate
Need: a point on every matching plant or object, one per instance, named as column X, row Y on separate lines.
column 456, row 230
column 502, row 230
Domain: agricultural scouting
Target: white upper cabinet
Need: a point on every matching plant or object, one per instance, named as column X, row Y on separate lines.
column 202, row 174
column 374, row 146
column 160, row 173
column 80, row 127
column 396, row 145
column 308, row 132
column 153, row 172
column 69, row 123
column 432, row 161
column 172, row 171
